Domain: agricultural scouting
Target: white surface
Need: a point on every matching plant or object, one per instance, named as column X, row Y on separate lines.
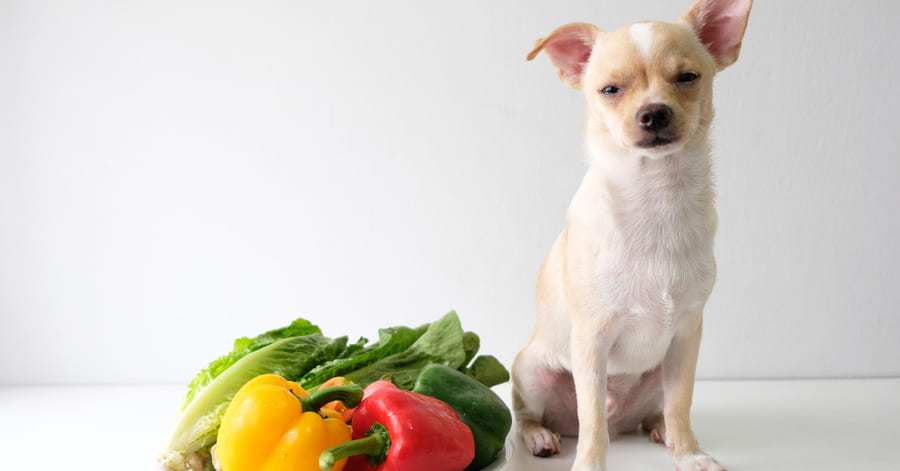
column 185, row 173
column 749, row 425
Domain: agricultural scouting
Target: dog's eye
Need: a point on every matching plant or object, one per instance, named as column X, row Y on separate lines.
column 609, row 90
column 687, row 77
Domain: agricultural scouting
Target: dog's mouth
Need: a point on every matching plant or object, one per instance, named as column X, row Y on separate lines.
column 655, row 141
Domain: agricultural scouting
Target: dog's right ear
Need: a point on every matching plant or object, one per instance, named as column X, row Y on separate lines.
column 569, row 48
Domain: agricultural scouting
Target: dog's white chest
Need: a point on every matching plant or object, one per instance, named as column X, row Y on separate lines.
column 647, row 300
column 655, row 268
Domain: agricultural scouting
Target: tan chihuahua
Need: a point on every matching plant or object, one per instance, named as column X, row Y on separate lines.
column 620, row 296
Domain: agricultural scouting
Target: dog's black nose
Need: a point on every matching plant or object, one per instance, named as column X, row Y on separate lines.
column 654, row 117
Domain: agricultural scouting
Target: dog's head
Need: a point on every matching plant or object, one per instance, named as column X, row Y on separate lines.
column 649, row 85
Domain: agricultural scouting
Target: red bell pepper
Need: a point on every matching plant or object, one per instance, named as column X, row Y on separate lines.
column 399, row 430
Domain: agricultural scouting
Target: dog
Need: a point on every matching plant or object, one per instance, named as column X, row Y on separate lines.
column 620, row 296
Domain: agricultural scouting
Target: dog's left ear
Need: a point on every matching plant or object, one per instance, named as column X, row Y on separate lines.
column 720, row 25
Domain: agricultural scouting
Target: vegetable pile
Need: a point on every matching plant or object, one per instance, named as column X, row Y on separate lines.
column 427, row 394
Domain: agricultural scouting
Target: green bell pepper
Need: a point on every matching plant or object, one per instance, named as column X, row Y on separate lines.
column 480, row 408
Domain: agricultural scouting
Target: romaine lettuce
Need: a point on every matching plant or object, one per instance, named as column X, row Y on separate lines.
column 196, row 427
column 242, row 347
column 441, row 343
column 390, row 341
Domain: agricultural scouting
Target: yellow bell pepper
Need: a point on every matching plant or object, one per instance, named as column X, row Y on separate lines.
column 272, row 424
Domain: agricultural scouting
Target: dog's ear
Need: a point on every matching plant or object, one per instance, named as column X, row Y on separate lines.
column 569, row 48
column 720, row 25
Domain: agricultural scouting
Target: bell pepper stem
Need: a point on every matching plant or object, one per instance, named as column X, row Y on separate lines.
column 375, row 446
column 350, row 395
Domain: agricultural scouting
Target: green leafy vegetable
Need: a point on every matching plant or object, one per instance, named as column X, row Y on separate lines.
column 441, row 343
column 487, row 370
column 242, row 347
column 197, row 425
column 471, row 344
column 391, row 341
column 354, row 348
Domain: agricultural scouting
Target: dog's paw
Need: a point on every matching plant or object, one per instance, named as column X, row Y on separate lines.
column 697, row 463
column 591, row 455
column 578, row 466
column 543, row 442
column 657, row 428
column 596, row 467
column 658, row 435
column 588, row 468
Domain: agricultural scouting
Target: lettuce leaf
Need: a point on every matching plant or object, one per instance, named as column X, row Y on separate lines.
column 196, row 427
column 487, row 370
column 242, row 347
column 354, row 348
column 391, row 340
column 441, row 343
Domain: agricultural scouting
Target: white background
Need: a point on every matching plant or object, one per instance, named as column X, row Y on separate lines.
column 176, row 174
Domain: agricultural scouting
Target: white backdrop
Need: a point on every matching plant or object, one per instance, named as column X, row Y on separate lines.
column 177, row 174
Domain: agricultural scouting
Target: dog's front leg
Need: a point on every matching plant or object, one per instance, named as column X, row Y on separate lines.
column 590, row 349
column 679, row 367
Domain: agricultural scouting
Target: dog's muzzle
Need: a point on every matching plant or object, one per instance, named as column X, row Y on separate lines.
column 656, row 121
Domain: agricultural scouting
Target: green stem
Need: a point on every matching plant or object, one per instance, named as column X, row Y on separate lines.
column 375, row 446
column 350, row 395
